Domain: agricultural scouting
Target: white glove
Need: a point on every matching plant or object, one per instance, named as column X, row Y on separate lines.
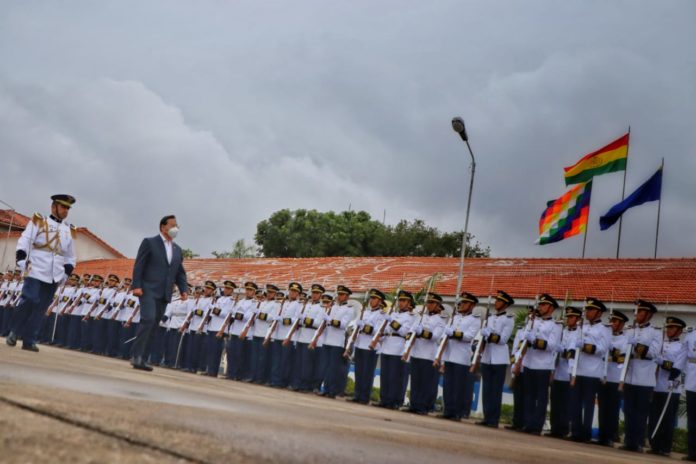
column 388, row 318
column 531, row 336
column 327, row 318
column 577, row 344
column 360, row 323
column 485, row 332
column 631, row 340
column 658, row 359
column 560, row 349
column 449, row 331
column 417, row 329
column 22, row 265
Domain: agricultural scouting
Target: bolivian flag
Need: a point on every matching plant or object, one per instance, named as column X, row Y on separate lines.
column 565, row 216
column 611, row 158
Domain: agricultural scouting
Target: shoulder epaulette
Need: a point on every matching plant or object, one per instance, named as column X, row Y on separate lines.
column 559, row 322
column 73, row 232
column 476, row 315
column 510, row 315
column 37, row 218
column 689, row 330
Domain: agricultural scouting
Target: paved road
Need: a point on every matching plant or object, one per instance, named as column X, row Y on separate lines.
column 72, row 407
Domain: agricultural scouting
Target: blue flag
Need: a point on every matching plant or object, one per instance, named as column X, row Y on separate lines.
column 649, row 191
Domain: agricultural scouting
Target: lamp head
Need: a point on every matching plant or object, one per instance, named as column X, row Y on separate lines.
column 460, row 128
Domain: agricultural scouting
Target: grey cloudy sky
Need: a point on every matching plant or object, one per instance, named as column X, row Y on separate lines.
column 224, row 112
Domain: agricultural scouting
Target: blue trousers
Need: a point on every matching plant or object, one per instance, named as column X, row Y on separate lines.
column 457, row 390
column 235, row 358
column 424, row 381
column 493, row 376
column 194, row 351
column 99, row 336
column 609, row 398
column 27, row 316
column 281, row 363
column 127, row 333
column 4, row 321
column 691, row 422
column 320, row 368
column 157, row 346
column 365, row 363
column 61, row 338
column 518, row 398
column 86, row 335
column 336, row 370
column 393, row 371
column 113, row 336
column 74, row 332
column 213, row 352
column 260, row 361
column 582, row 403
column 665, row 434
column 305, row 364
column 560, row 417
column 636, row 410
column 536, row 392
column 171, row 346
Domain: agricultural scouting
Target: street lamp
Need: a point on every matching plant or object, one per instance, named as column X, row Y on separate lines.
column 460, row 128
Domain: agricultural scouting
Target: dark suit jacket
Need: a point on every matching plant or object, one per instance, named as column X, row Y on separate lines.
column 153, row 274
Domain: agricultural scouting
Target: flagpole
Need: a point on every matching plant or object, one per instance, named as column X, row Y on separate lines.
column 584, row 240
column 659, row 205
column 623, row 191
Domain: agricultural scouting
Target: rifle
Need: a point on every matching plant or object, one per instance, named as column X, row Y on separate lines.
column 250, row 322
column 207, row 317
column 606, row 355
column 184, row 327
column 479, row 340
column 228, row 318
column 295, row 325
column 95, row 304
column 120, row 306
column 517, row 367
column 629, row 352
column 350, row 342
column 578, row 351
column 320, row 330
column 406, row 355
column 380, row 332
column 132, row 316
column 274, row 325
column 56, row 299
column 559, row 319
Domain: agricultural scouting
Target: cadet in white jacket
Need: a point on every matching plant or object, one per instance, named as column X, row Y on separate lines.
column 334, row 343
column 495, row 358
column 590, row 350
column 644, row 340
column 45, row 251
column 261, row 355
column 282, row 356
column 543, row 337
column 671, row 363
column 690, row 387
column 458, row 381
column 306, row 360
column 365, row 358
column 609, row 396
column 560, row 416
column 424, row 375
column 236, row 348
column 394, row 372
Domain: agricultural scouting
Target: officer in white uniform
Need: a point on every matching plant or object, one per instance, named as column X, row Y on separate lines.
column 66, row 299
column 217, row 314
column 336, row 324
column 306, row 360
column 590, row 350
column 45, row 251
column 690, row 387
column 365, row 358
column 281, row 355
column 101, row 315
column 518, row 384
column 261, row 355
column 495, row 358
column 543, row 337
column 194, row 358
column 394, row 372
column 458, row 381
column 237, row 349
column 6, row 293
column 424, row 375
column 609, row 396
column 644, row 341
column 560, row 417
column 671, row 363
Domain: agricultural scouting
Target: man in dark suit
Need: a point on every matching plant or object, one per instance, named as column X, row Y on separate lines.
column 158, row 267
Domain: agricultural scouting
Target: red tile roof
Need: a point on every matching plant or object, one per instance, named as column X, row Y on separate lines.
column 19, row 221
column 657, row 280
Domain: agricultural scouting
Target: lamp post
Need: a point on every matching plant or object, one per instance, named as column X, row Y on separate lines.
column 460, row 128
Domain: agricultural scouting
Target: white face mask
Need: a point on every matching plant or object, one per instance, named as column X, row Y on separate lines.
column 173, row 232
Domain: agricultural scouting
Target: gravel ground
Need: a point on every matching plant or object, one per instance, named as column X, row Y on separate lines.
column 64, row 406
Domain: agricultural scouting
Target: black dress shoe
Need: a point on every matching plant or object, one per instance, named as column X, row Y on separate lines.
column 634, row 449
column 11, row 339
column 142, row 367
column 689, row 458
column 31, row 347
column 484, row 423
column 511, row 427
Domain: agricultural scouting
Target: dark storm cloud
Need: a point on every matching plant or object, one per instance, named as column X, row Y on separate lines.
column 226, row 113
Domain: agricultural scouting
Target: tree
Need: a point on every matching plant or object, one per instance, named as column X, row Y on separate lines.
column 239, row 250
column 309, row 233
column 188, row 254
